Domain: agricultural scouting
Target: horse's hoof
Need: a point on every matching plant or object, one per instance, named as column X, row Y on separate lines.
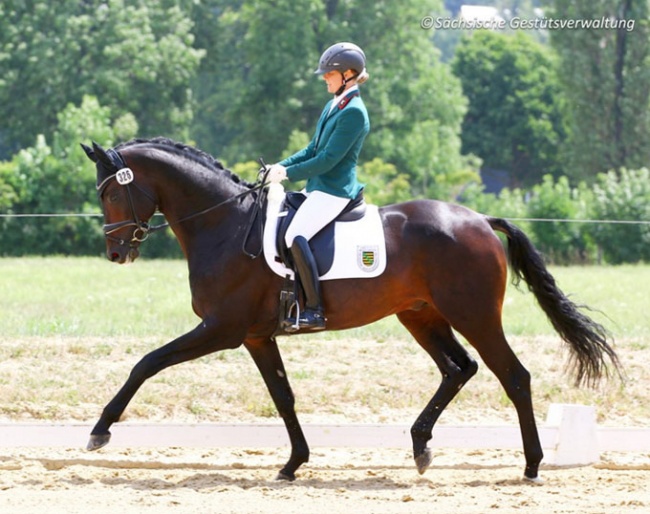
column 288, row 477
column 534, row 480
column 423, row 461
column 98, row 441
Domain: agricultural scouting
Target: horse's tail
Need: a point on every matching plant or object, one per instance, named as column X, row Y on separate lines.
column 587, row 339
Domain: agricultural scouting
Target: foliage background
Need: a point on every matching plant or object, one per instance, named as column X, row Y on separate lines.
column 561, row 116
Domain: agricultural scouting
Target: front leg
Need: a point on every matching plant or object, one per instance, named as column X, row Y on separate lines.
column 196, row 343
column 266, row 354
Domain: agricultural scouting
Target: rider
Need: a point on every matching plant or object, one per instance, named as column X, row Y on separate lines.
column 329, row 165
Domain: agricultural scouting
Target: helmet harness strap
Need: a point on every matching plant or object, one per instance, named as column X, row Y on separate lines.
column 345, row 82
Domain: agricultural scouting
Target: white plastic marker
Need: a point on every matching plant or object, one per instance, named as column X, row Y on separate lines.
column 124, row 176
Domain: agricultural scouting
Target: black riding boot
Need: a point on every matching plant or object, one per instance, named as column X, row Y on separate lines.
column 312, row 317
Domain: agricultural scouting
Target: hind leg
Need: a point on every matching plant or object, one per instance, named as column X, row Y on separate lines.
column 497, row 355
column 481, row 326
column 434, row 334
column 471, row 301
column 515, row 379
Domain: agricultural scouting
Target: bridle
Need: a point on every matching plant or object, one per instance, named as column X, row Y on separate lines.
column 126, row 178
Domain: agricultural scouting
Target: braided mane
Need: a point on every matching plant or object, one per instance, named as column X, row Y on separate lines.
column 188, row 152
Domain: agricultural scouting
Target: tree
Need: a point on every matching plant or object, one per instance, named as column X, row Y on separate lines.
column 7, row 193
column 146, row 65
column 623, row 195
column 514, row 119
column 256, row 84
column 135, row 57
column 280, row 53
column 384, row 184
column 415, row 102
column 220, row 30
column 605, row 75
column 562, row 242
column 263, row 87
column 57, row 179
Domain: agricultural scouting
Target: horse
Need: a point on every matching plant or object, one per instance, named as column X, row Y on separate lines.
column 446, row 272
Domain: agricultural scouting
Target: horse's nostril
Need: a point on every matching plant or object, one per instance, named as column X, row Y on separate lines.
column 115, row 257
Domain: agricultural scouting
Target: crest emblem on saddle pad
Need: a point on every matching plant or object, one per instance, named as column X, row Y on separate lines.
column 367, row 257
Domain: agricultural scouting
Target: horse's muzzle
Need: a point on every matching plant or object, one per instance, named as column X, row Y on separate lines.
column 122, row 255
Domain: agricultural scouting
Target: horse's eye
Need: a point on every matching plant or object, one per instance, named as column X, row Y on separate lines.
column 113, row 197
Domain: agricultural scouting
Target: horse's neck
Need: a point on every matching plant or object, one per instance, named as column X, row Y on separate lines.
column 183, row 191
column 195, row 200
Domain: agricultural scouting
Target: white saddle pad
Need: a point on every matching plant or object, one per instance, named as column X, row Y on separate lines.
column 360, row 246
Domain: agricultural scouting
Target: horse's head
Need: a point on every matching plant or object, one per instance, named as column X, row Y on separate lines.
column 127, row 206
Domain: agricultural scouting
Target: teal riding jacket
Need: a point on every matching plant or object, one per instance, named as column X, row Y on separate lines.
column 329, row 162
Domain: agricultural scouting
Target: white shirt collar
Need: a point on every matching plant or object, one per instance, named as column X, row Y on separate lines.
column 340, row 97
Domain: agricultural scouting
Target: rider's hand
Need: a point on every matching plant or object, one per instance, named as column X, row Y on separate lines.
column 277, row 173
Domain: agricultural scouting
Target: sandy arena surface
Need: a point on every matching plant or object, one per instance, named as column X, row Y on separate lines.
column 240, row 481
column 336, row 480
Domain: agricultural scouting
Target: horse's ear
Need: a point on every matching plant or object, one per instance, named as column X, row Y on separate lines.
column 101, row 155
column 89, row 152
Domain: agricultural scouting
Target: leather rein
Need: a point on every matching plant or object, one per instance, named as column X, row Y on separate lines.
column 126, row 178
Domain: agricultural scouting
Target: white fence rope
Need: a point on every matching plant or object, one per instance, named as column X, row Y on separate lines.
column 59, row 215
column 54, row 215
column 542, row 220
column 622, row 222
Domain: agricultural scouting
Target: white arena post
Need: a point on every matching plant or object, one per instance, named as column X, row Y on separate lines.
column 576, row 441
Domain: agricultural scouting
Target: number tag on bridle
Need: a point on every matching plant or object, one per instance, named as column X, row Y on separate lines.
column 124, row 176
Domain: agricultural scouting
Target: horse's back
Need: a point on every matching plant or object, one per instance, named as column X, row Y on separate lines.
column 440, row 223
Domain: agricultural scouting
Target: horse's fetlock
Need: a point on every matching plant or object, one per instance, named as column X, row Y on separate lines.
column 421, row 434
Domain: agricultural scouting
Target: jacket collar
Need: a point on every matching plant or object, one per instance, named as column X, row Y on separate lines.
column 343, row 99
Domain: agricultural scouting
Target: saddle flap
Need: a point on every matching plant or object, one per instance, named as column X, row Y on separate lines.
column 356, row 249
column 322, row 244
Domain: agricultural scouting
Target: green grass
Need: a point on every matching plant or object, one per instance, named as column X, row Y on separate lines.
column 72, row 329
column 93, row 297
column 59, row 296
column 617, row 296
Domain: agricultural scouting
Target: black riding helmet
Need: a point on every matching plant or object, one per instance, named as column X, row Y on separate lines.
column 342, row 57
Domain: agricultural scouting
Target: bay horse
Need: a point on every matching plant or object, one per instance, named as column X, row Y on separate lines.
column 446, row 271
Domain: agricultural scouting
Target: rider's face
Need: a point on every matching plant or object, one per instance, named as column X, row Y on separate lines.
column 334, row 80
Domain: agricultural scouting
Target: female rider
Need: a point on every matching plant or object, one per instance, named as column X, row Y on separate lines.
column 328, row 164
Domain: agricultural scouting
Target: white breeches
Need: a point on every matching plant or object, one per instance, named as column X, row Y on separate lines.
column 316, row 211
